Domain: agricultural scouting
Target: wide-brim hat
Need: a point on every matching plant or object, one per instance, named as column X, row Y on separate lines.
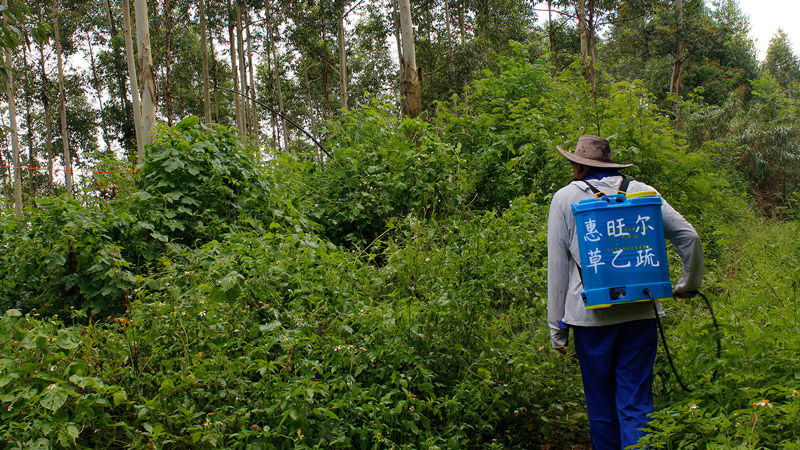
column 592, row 151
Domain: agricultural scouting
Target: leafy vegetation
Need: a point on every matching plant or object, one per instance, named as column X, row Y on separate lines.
column 232, row 294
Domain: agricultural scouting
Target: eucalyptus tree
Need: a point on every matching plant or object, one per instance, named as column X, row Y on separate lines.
column 146, row 71
column 305, row 40
column 410, row 82
column 456, row 41
column 8, row 45
column 273, row 65
column 370, row 66
column 62, row 105
column 103, row 21
column 204, row 52
column 132, row 76
column 221, row 75
column 706, row 51
column 781, row 61
column 177, row 51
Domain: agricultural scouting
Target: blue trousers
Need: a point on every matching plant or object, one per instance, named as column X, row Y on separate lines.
column 617, row 368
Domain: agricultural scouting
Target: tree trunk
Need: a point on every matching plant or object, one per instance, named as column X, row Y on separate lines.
column 591, row 28
column 32, row 160
column 204, row 53
column 551, row 34
column 271, row 84
column 586, row 30
column 583, row 32
column 277, row 72
column 325, row 71
column 235, row 72
column 311, row 117
column 410, row 87
column 342, row 62
column 462, row 23
column 62, row 107
column 48, row 120
column 214, row 68
column 399, row 42
column 254, row 126
column 137, row 108
column 242, row 71
column 146, row 71
column 271, row 79
column 286, row 138
column 168, row 60
column 677, row 70
column 12, row 114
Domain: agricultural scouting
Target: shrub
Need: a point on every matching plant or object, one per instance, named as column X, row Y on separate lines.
column 66, row 257
column 383, row 167
column 198, row 181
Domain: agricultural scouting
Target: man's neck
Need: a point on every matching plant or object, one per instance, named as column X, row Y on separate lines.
column 598, row 174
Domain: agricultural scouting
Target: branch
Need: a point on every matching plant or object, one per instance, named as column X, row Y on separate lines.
column 273, row 110
column 353, row 8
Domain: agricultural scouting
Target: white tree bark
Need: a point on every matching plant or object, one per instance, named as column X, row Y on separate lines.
column 48, row 123
column 242, row 70
column 137, row 107
column 12, row 113
column 254, row 122
column 146, row 71
column 410, row 86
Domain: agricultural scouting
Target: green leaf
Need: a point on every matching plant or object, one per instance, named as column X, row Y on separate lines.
column 187, row 123
column 326, row 412
column 5, row 363
column 143, row 195
column 266, row 328
column 158, row 236
column 53, row 398
column 73, row 431
column 66, row 341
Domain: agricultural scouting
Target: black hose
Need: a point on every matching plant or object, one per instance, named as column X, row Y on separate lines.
column 664, row 339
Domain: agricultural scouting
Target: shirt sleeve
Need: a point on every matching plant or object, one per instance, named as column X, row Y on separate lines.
column 687, row 244
column 558, row 259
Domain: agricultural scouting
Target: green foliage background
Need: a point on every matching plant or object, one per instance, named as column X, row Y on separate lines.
column 393, row 296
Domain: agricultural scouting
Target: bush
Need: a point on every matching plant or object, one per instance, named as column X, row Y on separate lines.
column 198, row 182
column 383, row 168
column 66, row 258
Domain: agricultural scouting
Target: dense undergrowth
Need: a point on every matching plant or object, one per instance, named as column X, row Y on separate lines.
column 392, row 297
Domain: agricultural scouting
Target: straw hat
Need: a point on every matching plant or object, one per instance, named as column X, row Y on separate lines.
column 592, row 151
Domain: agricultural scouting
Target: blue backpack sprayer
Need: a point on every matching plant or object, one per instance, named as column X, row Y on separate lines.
column 623, row 253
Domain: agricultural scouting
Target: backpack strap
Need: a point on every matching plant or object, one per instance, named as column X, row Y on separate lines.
column 597, row 192
column 623, row 187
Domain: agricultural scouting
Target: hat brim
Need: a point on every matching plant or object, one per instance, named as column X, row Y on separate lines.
column 591, row 162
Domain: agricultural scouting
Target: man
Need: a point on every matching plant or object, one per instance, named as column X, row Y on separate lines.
column 616, row 346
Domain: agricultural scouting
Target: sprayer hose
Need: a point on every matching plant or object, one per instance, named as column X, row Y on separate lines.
column 664, row 339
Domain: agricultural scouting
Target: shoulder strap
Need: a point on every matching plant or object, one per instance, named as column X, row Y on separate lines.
column 623, row 187
column 597, row 192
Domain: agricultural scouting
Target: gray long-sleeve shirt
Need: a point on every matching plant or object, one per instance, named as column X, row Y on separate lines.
column 563, row 278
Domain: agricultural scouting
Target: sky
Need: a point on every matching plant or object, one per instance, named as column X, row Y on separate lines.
column 766, row 16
